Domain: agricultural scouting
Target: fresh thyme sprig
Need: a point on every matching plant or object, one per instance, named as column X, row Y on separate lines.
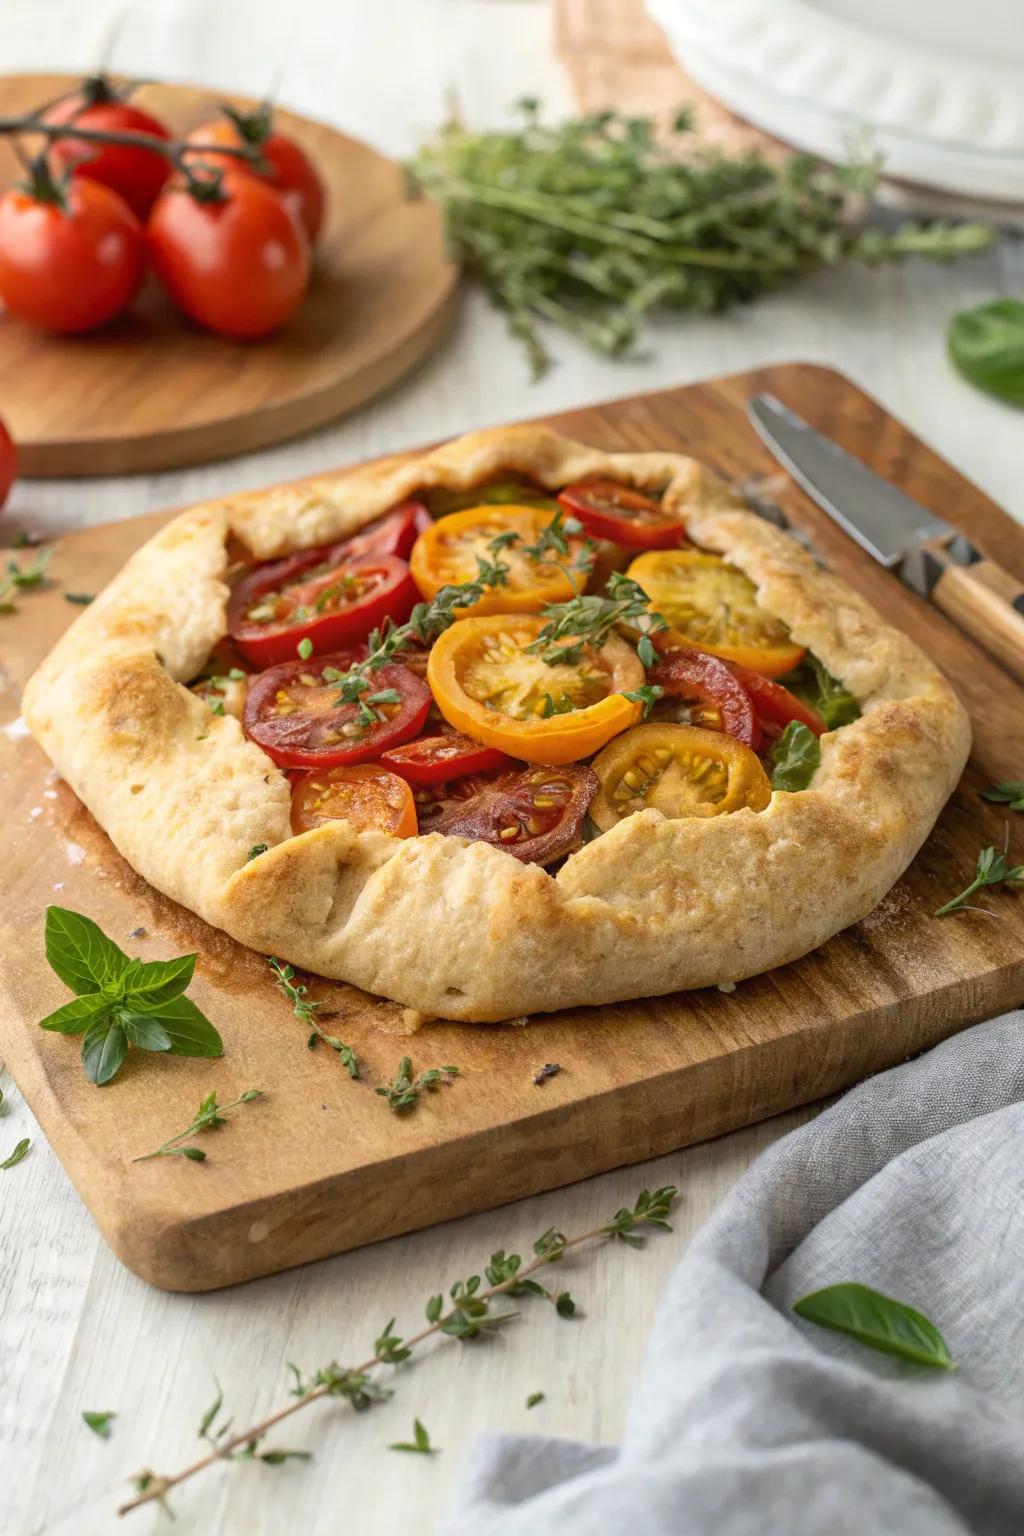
column 588, row 225
column 589, row 619
column 992, row 870
column 216, row 1436
column 468, row 1317
column 406, row 1091
column 210, row 1115
column 305, row 1008
column 22, row 577
column 419, row 1444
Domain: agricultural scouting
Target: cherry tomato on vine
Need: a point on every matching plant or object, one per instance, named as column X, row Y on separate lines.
column 285, row 166
column 133, row 173
column 8, row 463
column 328, row 602
column 70, row 258
column 235, row 260
column 293, row 712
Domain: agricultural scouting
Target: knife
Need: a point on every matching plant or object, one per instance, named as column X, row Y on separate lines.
column 931, row 557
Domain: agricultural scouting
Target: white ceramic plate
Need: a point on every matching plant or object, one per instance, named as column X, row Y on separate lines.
column 938, row 83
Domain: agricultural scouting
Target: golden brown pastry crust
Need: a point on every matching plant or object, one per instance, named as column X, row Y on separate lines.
column 461, row 929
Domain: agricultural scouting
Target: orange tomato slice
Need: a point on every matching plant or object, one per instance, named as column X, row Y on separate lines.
column 366, row 795
column 447, row 553
column 488, row 684
column 711, row 604
column 680, row 770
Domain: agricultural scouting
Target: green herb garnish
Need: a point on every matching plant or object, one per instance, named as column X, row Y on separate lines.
column 405, row 1091
column 992, row 870
column 17, row 1155
column 878, row 1321
column 82, row 599
column 209, row 1116
column 588, row 619
column 420, row 1442
column 589, row 225
column 796, row 757
column 121, row 1001
column 305, row 1008
column 986, row 344
column 256, row 851
column 534, row 1398
column 467, row 1316
column 99, row 1423
column 1011, row 793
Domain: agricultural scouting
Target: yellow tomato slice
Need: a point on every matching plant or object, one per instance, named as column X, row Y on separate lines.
column 708, row 603
column 680, row 770
column 447, row 553
column 489, row 685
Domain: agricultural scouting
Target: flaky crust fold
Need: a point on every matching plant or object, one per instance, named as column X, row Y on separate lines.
column 461, row 929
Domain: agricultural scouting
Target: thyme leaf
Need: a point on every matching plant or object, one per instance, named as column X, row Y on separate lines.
column 1010, row 793
column 405, row 1091
column 992, row 870
column 99, row 1423
column 305, row 1009
column 209, row 1116
column 420, row 1442
column 15, row 1157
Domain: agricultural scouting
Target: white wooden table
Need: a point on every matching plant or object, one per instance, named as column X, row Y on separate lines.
column 78, row 1332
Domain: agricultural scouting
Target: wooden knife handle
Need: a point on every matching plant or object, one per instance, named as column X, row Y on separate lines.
column 984, row 600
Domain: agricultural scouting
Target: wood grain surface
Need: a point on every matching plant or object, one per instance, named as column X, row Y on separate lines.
column 322, row 1165
column 153, row 391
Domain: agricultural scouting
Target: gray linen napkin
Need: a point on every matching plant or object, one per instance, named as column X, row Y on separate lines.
column 745, row 1419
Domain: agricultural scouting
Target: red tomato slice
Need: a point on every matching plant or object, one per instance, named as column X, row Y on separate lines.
column 612, row 511
column 330, row 603
column 710, row 694
column 366, row 795
column 445, row 755
column 293, row 713
column 393, row 534
column 536, row 813
column 774, row 705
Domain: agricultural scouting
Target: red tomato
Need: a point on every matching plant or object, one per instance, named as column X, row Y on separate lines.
column 293, row 713
column 8, row 463
column 286, row 167
column 393, row 534
column 534, row 813
column 70, row 265
column 237, row 263
column 443, row 755
column 137, row 175
column 612, row 511
column 709, row 693
column 774, row 705
column 366, row 795
column 306, row 597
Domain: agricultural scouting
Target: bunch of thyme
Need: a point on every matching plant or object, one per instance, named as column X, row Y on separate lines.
column 589, row 224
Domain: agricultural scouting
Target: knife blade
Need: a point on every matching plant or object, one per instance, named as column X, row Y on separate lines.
column 928, row 554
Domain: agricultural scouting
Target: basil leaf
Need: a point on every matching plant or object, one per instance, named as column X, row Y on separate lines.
column 78, row 1014
column 987, row 346
column 157, row 981
column 835, row 704
column 1011, row 794
column 878, row 1321
column 144, row 1031
column 189, row 1030
column 796, row 757
column 80, row 952
column 103, row 1050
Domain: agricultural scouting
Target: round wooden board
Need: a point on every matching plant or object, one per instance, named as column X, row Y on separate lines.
column 151, row 391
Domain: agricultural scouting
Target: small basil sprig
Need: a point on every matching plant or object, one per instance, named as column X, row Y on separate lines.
column 987, row 346
column 796, row 757
column 877, row 1320
column 121, row 1001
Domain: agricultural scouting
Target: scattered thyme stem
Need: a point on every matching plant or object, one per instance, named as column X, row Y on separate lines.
column 159, row 1487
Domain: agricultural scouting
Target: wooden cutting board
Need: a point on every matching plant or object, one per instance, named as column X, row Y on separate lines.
column 152, row 391
column 322, row 1164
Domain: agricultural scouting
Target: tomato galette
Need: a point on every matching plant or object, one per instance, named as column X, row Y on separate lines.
column 509, row 727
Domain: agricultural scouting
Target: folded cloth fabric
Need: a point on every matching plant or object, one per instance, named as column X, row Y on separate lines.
column 746, row 1419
